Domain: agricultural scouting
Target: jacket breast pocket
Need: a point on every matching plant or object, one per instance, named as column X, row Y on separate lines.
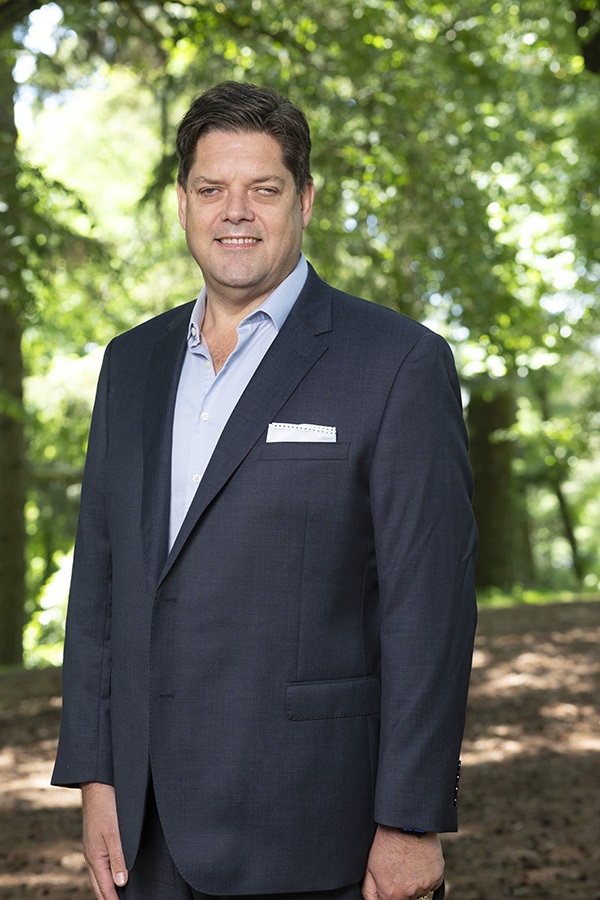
column 302, row 450
column 339, row 698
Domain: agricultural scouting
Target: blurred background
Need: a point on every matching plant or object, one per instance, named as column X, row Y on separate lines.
column 457, row 165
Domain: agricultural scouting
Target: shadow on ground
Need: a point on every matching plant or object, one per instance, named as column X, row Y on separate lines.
column 530, row 804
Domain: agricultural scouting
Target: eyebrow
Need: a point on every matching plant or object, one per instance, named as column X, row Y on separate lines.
column 265, row 178
column 202, row 179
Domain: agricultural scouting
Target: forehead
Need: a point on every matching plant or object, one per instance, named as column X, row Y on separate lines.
column 237, row 152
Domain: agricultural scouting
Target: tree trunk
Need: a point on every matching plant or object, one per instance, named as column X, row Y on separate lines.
column 556, row 478
column 567, row 519
column 492, row 410
column 587, row 17
column 12, row 439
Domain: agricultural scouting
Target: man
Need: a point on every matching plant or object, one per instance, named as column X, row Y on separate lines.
column 271, row 615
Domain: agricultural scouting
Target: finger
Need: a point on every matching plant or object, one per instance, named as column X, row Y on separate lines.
column 428, row 894
column 102, row 879
column 94, row 881
column 117, row 863
column 369, row 888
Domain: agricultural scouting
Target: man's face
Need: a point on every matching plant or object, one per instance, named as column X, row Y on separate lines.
column 242, row 216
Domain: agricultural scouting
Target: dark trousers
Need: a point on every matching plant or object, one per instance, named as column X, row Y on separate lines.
column 154, row 875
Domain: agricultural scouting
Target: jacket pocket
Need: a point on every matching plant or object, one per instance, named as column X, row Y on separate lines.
column 304, row 450
column 339, row 698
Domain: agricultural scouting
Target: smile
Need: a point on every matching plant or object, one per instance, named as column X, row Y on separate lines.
column 237, row 241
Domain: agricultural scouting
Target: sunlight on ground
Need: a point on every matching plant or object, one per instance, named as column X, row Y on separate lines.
column 530, row 759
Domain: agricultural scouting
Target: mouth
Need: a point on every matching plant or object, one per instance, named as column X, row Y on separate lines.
column 238, row 241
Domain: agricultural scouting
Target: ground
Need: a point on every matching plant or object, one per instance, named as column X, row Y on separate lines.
column 529, row 799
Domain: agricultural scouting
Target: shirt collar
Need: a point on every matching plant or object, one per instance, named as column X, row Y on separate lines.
column 277, row 306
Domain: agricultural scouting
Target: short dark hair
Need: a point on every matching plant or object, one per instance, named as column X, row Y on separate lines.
column 239, row 106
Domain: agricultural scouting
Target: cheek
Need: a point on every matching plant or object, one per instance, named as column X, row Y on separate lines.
column 197, row 228
column 289, row 227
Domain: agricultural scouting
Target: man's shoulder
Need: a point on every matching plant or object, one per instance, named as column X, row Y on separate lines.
column 375, row 324
column 367, row 319
column 356, row 306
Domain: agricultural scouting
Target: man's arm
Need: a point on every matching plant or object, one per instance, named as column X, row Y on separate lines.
column 85, row 745
column 425, row 540
column 85, row 753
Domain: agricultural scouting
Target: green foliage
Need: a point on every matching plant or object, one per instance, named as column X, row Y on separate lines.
column 45, row 630
column 457, row 168
column 59, row 402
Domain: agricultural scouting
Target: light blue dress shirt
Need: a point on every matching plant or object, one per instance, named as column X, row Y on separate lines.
column 205, row 400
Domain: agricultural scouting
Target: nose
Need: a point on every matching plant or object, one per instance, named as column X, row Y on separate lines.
column 237, row 206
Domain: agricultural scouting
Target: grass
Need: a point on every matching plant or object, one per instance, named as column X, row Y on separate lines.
column 518, row 595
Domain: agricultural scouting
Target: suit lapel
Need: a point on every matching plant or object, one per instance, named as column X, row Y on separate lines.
column 161, row 391
column 292, row 354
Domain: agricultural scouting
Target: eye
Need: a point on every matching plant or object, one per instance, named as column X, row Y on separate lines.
column 208, row 191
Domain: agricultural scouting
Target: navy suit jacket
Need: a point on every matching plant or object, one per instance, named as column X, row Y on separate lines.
column 295, row 669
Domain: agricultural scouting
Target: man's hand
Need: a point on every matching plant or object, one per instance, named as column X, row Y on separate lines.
column 402, row 866
column 101, row 840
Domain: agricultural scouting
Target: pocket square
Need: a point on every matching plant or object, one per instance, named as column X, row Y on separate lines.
column 284, row 431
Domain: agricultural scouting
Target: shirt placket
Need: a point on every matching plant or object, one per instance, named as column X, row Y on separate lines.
column 197, row 460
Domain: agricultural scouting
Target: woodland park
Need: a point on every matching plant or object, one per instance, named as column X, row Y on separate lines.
column 456, row 161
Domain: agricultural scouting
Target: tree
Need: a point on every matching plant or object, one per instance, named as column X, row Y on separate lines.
column 456, row 161
column 12, row 441
column 29, row 236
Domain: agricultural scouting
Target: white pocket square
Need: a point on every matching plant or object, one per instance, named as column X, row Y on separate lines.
column 285, row 431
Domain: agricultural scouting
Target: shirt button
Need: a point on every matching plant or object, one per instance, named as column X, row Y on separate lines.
column 204, row 417
column 196, row 478
column 208, row 364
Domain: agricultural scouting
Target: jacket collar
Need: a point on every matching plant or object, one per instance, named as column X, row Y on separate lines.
column 299, row 344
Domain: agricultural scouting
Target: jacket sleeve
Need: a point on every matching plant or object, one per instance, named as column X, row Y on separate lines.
column 84, row 749
column 425, row 545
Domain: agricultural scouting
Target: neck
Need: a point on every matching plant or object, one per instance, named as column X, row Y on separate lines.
column 223, row 314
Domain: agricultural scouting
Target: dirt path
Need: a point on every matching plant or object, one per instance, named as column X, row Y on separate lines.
column 530, row 790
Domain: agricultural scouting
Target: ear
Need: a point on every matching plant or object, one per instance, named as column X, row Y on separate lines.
column 181, row 205
column 307, row 196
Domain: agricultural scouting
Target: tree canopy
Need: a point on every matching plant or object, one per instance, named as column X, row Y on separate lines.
column 457, row 169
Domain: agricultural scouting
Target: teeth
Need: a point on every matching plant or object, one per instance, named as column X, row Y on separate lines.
column 238, row 240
